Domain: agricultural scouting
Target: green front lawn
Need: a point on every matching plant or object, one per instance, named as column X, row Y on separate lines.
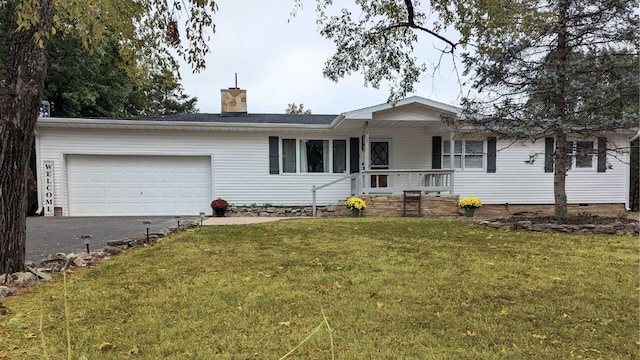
column 390, row 289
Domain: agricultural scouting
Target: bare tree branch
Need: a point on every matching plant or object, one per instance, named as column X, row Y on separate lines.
column 412, row 24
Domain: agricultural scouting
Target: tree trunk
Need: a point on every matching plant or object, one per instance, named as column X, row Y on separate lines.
column 560, row 104
column 560, row 174
column 634, row 188
column 20, row 97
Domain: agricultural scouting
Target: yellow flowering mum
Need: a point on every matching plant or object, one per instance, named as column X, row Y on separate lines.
column 470, row 203
column 355, row 203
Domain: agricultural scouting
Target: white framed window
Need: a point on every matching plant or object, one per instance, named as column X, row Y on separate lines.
column 580, row 154
column 467, row 154
column 313, row 156
column 289, row 155
column 339, row 156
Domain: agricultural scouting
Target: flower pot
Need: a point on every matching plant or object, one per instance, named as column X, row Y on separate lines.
column 355, row 213
column 469, row 212
column 219, row 212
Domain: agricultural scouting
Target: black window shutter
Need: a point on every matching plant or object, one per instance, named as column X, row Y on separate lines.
column 491, row 155
column 548, row 154
column 602, row 154
column 274, row 157
column 354, row 155
column 436, row 152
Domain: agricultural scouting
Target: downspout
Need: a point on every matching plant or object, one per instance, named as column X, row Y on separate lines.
column 627, row 198
column 38, row 172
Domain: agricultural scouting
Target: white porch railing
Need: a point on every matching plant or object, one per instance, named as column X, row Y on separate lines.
column 394, row 182
column 397, row 181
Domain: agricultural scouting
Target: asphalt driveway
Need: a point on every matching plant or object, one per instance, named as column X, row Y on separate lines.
column 48, row 235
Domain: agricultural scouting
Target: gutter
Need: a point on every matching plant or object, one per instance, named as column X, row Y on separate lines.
column 187, row 125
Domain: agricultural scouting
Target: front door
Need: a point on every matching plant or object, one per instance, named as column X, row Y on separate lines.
column 379, row 161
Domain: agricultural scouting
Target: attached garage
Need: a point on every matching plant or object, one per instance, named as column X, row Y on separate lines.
column 101, row 185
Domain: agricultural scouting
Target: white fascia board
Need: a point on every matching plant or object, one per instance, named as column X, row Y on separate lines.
column 367, row 113
column 172, row 125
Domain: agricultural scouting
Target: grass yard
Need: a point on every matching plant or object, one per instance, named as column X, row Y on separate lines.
column 389, row 288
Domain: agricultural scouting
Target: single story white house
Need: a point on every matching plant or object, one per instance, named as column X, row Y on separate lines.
column 177, row 164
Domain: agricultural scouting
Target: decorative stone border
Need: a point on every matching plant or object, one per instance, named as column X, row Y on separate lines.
column 377, row 206
column 618, row 227
column 57, row 263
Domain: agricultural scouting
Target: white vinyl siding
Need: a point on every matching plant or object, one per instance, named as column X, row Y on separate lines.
column 239, row 162
column 239, row 165
column 516, row 182
column 408, row 149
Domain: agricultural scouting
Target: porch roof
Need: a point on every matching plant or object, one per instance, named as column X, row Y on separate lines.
column 414, row 113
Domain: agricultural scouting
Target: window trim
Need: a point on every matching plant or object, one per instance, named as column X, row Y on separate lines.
column 597, row 154
column 463, row 155
column 297, row 141
column 573, row 146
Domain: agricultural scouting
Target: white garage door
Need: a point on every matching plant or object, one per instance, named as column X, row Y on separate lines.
column 138, row 185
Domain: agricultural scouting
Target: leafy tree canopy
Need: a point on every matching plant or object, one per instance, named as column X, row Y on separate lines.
column 539, row 67
column 96, row 84
column 543, row 67
column 147, row 34
column 377, row 38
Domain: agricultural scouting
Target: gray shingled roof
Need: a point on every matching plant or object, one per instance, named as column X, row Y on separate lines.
column 302, row 119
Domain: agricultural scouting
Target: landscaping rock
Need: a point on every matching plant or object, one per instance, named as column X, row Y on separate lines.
column 542, row 224
column 5, row 291
column 23, row 278
column 83, row 255
column 40, row 273
column 55, row 264
column 122, row 242
column 79, row 262
column 113, row 250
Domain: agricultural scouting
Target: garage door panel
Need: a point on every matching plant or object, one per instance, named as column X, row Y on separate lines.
column 138, row 185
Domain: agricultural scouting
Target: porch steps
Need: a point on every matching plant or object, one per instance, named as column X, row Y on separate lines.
column 411, row 203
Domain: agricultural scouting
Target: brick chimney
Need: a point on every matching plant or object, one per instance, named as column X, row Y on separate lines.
column 233, row 102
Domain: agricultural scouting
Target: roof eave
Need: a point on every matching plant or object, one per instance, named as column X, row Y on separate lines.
column 165, row 125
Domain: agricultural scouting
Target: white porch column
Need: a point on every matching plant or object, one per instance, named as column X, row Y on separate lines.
column 366, row 180
column 367, row 147
column 451, row 149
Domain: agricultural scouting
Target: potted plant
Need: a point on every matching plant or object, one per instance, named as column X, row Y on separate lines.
column 470, row 204
column 356, row 205
column 219, row 206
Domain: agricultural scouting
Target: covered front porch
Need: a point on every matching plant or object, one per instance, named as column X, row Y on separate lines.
column 403, row 147
column 406, row 147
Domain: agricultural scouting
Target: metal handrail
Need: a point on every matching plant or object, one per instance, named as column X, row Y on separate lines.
column 315, row 188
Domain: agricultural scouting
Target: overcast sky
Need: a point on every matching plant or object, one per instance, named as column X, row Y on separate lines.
column 280, row 61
